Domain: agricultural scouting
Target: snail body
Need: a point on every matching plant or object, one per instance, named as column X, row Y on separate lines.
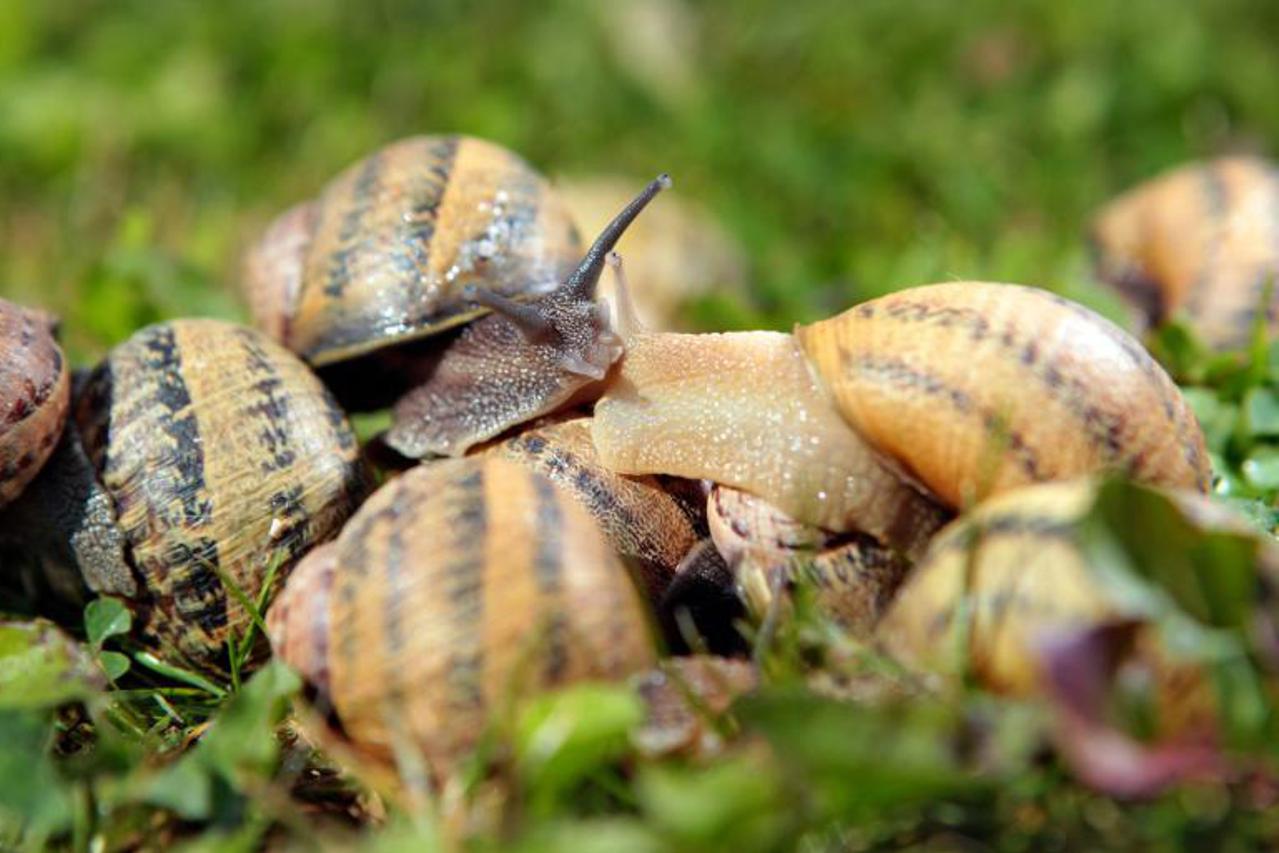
column 35, row 389
column 459, row 586
column 1198, row 243
column 213, row 457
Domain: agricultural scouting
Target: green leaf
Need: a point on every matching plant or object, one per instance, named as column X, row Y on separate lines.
column 1261, row 468
column 1261, row 409
column 41, row 667
column 735, row 804
column 104, row 618
column 564, row 736
column 177, row 673
column 113, row 664
column 30, row 788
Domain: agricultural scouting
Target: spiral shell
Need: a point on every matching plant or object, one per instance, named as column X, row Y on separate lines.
column 641, row 518
column 1013, row 573
column 224, row 458
column 459, row 587
column 851, row 576
column 976, row 388
column 35, row 389
column 387, row 251
column 1200, row 242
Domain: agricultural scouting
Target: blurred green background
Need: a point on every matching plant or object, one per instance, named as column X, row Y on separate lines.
column 852, row 147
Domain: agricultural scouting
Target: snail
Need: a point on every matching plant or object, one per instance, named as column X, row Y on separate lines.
column 852, row 576
column 1013, row 573
column 459, row 587
column 200, row 455
column 1198, row 242
column 417, row 239
column 677, row 250
column 888, row 416
column 651, row 523
column 35, row 389
column 684, row 700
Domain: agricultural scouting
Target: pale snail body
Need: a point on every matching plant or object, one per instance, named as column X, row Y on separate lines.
column 1200, row 242
column 460, row 586
column 851, row 577
column 35, row 389
column 392, row 248
column 223, row 457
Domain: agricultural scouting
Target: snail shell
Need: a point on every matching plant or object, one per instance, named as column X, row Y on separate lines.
column 223, row 456
column 1201, row 242
column 1015, row 570
column 460, row 586
column 684, row 697
column 392, row 248
column 35, row 389
column 977, row 388
column 852, row 576
column 639, row 516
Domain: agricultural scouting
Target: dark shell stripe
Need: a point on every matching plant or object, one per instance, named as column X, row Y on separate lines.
column 899, row 374
column 548, row 564
column 462, row 583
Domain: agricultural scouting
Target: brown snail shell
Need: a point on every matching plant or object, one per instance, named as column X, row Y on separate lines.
column 1196, row 242
column 1012, row 573
column 223, row 457
column 976, row 388
column 852, row 576
column 35, row 389
column 684, row 699
column 744, row 409
column 393, row 247
column 460, row 587
column 642, row 519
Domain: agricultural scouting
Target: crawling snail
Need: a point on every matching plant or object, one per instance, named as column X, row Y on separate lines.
column 885, row 417
column 35, row 388
column 1015, row 572
column 200, row 454
column 459, row 588
column 424, row 236
column 1199, row 243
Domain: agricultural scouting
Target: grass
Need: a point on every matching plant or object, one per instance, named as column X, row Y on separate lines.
column 851, row 149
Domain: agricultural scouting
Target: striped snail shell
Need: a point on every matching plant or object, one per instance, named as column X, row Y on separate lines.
column 646, row 520
column 852, row 576
column 1009, row 575
column 35, row 389
column 1200, row 242
column 457, row 587
column 224, row 459
column 394, row 247
column 976, row 388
